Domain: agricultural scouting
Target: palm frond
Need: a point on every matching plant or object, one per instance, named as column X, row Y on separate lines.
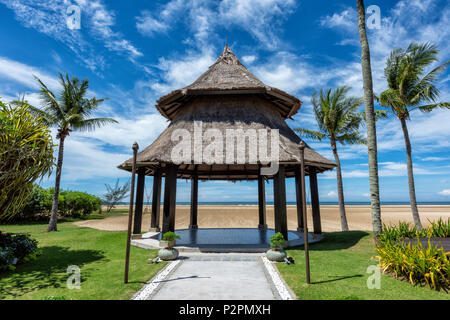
column 92, row 124
column 310, row 134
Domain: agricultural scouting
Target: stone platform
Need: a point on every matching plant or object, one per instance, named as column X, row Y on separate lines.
column 223, row 240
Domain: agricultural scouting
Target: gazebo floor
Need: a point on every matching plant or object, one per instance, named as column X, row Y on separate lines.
column 223, row 239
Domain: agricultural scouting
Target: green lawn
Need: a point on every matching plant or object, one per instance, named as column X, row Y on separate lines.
column 338, row 271
column 99, row 254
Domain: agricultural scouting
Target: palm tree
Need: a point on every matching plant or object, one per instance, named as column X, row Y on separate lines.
column 68, row 112
column 338, row 121
column 409, row 89
column 370, row 121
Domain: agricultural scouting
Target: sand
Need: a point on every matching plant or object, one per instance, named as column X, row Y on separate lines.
column 359, row 217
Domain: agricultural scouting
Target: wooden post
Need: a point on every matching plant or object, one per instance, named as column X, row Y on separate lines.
column 279, row 187
column 170, row 191
column 156, row 201
column 305, row 220
column 315, row 205
column 130, row 212
column 139, row 201
column 298, row 193
column 194, row 200
column 262, row 202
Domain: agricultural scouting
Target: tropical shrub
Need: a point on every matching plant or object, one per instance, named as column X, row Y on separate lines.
column 26, row 154
column 440, row 229
column 71, row 204
column 16, row 249
column 37, row 206
column 277, row 241
column 78, row 204
column 170, row 236
column 412, row 262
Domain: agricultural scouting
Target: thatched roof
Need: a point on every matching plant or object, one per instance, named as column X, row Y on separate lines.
column 227, row 76
column 222, row 112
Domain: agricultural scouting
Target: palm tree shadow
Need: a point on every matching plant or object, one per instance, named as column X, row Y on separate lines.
column 49, row 270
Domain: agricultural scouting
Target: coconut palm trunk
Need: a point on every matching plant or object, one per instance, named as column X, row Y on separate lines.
column 409, row 166
column 52, row 225
column 340, row 188
column 370, row 121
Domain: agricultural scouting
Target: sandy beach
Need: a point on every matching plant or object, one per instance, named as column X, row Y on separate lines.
column 233, row 216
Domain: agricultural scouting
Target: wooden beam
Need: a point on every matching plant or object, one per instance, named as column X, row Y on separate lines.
column 298, row 193
column 279, row 188
column 156, row 201
column 315, row 202
column 262, row 202
column 139, row 201
column 170, row 191
column 194, row 200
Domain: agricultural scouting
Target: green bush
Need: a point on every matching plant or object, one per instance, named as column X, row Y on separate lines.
column 71, row 204
column 37, row 206
column 78, row 204
column 170, row 236
column 277, row 241
column 16, row 249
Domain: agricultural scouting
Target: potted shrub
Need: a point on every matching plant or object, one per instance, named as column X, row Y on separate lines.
column 167, row 251
column 276, row 252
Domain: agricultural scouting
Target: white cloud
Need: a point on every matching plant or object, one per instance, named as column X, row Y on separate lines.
column 346, row 19
column 261, row 19
column 249, row 59
column 178, row 73
column 445, row 192
column 23, row 74
column 48, row 17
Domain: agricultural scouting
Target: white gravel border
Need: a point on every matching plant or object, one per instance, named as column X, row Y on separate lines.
column 151, row 286
column 283, row 291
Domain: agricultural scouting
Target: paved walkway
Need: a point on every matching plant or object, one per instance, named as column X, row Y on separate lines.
column 214, row 276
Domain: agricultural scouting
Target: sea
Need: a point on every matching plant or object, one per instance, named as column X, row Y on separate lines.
column 347, row 203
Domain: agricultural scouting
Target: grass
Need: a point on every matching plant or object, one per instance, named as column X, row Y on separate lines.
column 99, row 254
column 338, row 272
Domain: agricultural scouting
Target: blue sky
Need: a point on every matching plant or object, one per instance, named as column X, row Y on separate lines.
column 135, row 51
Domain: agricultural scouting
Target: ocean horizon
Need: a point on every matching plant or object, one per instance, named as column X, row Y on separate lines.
column 349, row 203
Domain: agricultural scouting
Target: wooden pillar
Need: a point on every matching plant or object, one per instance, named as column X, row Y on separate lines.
column 156, row 201
column 298, row 193
column 139, row 201
column 279, row 189
column 262, row 202
column 315, row 206
column 170, row 191
column 194, row 200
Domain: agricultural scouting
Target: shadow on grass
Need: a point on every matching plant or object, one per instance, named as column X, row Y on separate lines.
column 48, row 270
column 338, row 279
column 335, row 241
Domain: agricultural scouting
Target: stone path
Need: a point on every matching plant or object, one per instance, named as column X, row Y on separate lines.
column 214, row 276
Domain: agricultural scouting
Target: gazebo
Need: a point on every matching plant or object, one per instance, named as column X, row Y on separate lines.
column 226, row 99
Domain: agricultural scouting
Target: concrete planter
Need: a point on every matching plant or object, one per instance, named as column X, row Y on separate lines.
column 166, row 244
column 276, row 255
column 168, row 254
